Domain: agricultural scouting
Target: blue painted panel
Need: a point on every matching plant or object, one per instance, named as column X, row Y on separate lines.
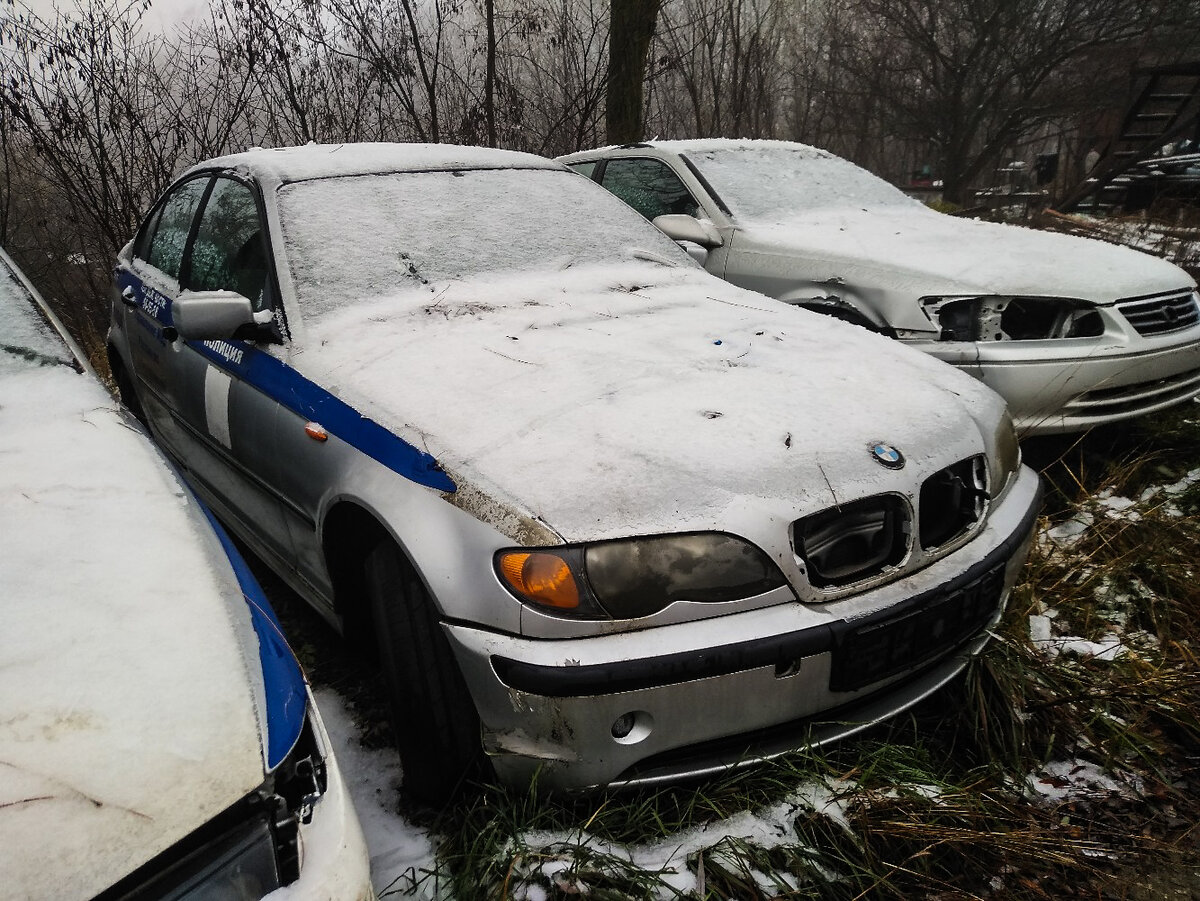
column 285, row 385
column 283, row 682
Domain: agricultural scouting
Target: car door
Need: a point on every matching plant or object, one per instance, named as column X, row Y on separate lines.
column 221, row 425
column 147, row 286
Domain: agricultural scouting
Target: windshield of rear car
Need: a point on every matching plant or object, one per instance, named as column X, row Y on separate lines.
column 776, row 183
column 26, row 338
column 351, row 239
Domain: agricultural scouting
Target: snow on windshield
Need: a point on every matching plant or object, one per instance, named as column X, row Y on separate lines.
column 352, row 239
column 775, row 183
column 26, row 338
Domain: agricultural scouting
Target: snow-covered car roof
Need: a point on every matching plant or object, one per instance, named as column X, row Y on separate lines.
column 289, row 164
column 702, row 145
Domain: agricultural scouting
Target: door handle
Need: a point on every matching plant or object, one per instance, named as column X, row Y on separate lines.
column 129, row 296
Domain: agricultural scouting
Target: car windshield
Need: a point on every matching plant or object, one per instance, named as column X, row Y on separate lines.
column 778, row 182
column 351, row 239
column 27, row 340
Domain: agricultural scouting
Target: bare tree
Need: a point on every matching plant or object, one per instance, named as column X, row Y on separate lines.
column 97, row 120
column 971, row 75
column 7, row 161
column 405, row 44
column 725, row 58
column 552, row 74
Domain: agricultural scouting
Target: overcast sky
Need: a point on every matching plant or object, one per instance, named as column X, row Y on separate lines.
column 162, row 14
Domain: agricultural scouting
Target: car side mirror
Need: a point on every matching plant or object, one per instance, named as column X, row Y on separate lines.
column 207, row 315
column 680, row 227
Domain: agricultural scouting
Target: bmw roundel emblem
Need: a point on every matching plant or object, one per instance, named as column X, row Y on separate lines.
column 886, row 455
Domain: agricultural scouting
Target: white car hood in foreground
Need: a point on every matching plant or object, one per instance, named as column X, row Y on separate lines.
column 128, row 706
column 643, row 398
column 928, row 253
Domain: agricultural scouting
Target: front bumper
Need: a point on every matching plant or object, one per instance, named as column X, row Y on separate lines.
column 701, row 696
column 1072, row 385
column 334, row 862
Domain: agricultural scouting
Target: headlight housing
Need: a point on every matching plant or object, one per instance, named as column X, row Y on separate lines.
column 249, row 849
column 635, row 577
column 1002, row 318
column 1002, row 445
column 1005, row 452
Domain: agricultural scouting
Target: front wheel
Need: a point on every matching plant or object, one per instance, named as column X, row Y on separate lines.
column 434, row 718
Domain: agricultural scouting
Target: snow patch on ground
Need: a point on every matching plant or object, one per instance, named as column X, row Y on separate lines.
column 1114, row 506
column 1067, row 532
column 403, row 855
column 552, row 856
column 1062, row 781
column 1109, row 647
column 1177, row 488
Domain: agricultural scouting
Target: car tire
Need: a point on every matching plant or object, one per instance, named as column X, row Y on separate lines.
column 435, row 721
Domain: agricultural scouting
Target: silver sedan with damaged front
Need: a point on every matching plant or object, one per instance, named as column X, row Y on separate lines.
column 1072, row 332
column 606, row 519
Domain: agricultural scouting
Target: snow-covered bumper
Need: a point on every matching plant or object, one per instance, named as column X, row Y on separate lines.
column 1073, row 384
column 694, row 698
column 334, row 862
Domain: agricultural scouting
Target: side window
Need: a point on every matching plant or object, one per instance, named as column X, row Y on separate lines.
column 141, row 244
column 168, row 234
column 585, row 169
column 649, row 186
column 230, row 253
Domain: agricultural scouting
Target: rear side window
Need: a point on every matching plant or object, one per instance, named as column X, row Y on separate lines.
column 649, row 186
column 586, row 169
column 173, row 221
column 229, row 253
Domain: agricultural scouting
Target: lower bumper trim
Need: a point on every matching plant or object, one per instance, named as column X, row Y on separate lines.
column 735, row 751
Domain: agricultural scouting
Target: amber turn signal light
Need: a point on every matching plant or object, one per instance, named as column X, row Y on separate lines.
column 540, row 577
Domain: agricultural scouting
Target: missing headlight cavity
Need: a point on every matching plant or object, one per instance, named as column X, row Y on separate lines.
column 853, row 542
column 1014, row 318
column 952, row 501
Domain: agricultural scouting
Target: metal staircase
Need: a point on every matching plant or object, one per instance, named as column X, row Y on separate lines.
column 1166, row 107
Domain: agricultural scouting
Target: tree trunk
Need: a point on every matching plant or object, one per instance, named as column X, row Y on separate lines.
column 489, row 97
column 631, row 28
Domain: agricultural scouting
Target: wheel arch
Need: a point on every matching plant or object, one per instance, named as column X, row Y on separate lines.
column 348, row 533
column 450, row 548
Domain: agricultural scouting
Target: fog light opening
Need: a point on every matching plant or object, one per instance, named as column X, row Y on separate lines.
column 632, row 727
column 787, row 668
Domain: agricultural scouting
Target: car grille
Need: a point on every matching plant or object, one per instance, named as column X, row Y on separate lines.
column 853, row 541
column 1158, row 314
column 894, row 644
column 952, row 501
column 1132, row 399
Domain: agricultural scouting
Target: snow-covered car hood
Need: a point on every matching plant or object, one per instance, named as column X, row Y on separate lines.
column 927, row 253
column 643, row 398
column 132, row 697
